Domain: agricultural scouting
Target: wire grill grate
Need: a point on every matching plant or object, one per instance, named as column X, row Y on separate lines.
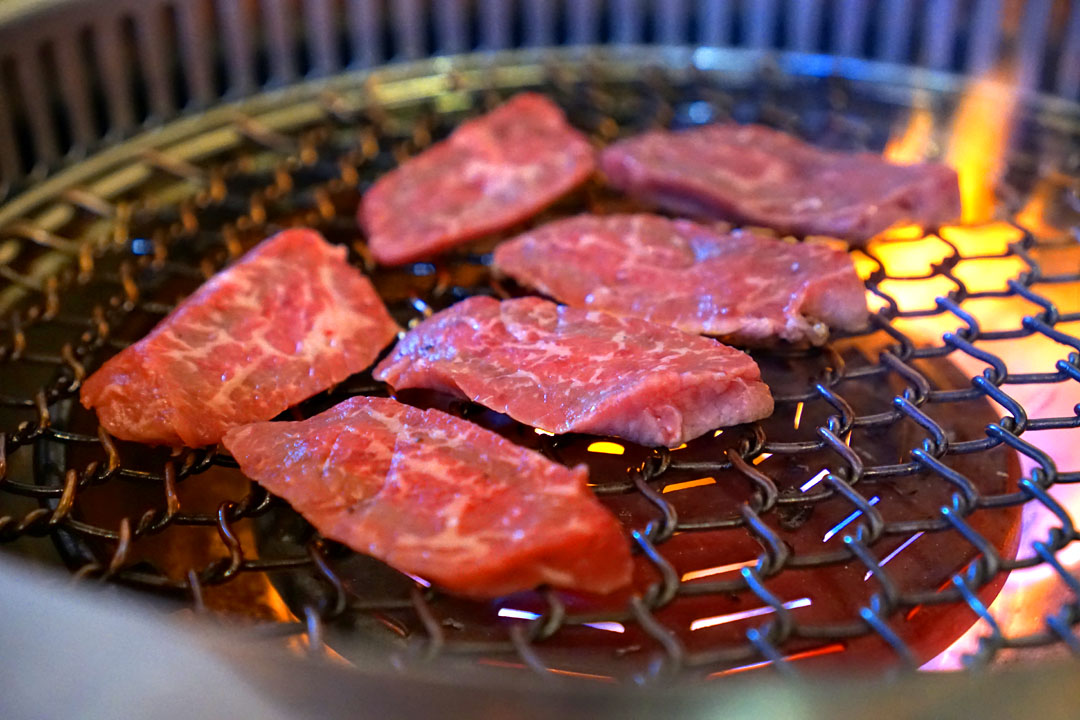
column 868, row 419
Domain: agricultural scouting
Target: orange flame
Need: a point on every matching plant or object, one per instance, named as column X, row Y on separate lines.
column 1033, row 216
column 912, row 144
column 976, row 149
column 981, row 128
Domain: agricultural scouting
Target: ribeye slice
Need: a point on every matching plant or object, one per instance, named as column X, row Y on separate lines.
column 492, row 172
column 438, row 497
column 567, row 370
column 288, row 319
column 739, row 285
column 754, row 175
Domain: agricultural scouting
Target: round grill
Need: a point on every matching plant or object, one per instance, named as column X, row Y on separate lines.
column 873, row 518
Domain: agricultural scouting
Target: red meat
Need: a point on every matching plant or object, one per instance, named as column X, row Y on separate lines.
column 757, row 176
column 492, row 172
column 438, row 497
column 290, row 318
column 741, row 286
column 567, row 370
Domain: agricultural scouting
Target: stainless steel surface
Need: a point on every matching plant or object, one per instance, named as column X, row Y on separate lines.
column 109, row 657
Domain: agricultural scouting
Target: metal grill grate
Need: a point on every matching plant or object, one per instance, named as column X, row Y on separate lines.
column 878, row 438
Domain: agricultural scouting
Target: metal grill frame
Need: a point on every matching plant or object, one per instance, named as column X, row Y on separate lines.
column 273, row 124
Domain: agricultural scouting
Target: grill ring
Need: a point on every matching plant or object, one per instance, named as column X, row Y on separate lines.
column 231, row 196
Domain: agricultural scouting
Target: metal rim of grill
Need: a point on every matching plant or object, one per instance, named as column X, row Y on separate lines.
column 106, row 246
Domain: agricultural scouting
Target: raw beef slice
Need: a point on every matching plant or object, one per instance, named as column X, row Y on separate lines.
column 288, row 319
column 438, row 497
column 741, row 286
column 567, row 370
column 754, row 175
column 492, row 172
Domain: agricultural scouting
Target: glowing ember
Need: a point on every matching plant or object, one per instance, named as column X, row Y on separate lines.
column 805, row 655
column 718, row 570
column 814, row 480
column 904, row 545
column 847, row 521
column 518, row 614
column 708, row 622
column 689, row 484
column 608, row 626
column 419, row 580
column 607, row 448
column 527, row 615
column 554, row 671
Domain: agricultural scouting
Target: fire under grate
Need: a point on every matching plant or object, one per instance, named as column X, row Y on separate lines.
column 906, row 472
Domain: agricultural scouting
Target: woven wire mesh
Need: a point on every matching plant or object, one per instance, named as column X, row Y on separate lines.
column 862, row 423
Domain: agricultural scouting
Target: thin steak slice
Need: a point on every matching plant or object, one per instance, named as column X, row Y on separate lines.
column 288, row 319
column 740, row 286
column 754, row 175
column 492, row 172
column 438, row 497
column 567, row 370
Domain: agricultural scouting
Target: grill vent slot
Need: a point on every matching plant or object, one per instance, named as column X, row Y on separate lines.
column 149, row 59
